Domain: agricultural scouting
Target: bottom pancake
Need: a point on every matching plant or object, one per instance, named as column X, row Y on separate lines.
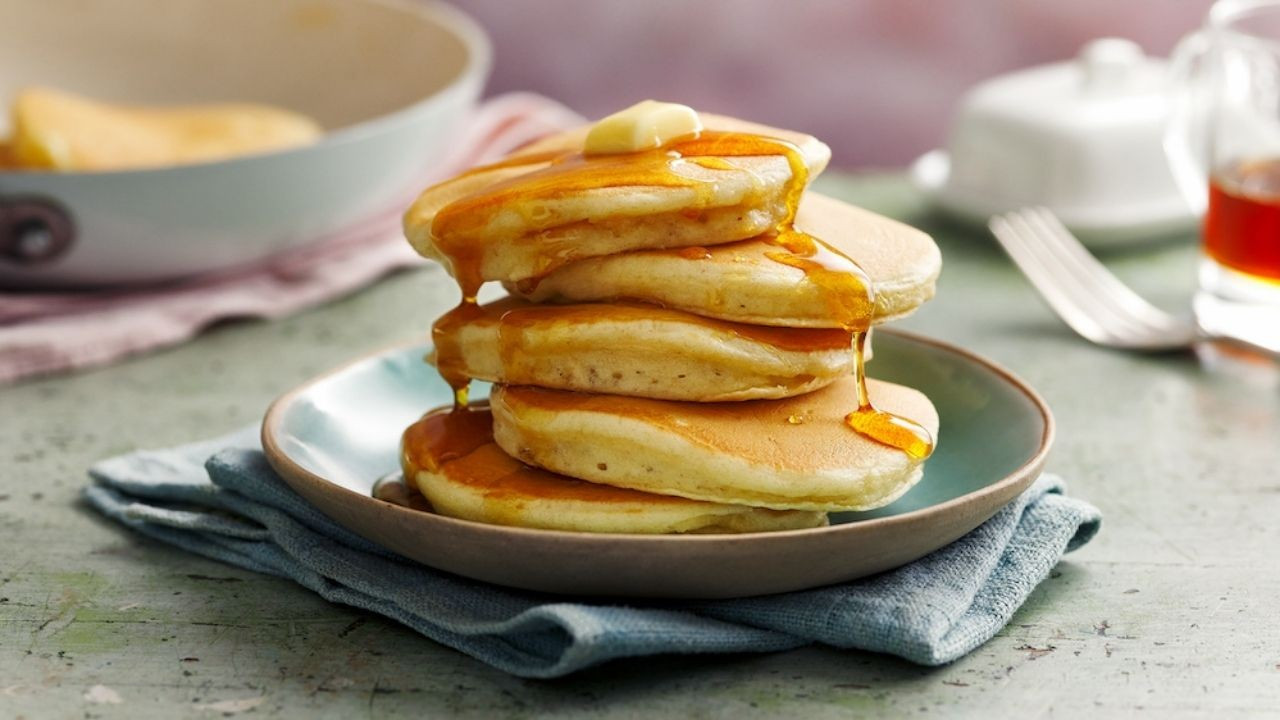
column 795, row 453
column 452, row 459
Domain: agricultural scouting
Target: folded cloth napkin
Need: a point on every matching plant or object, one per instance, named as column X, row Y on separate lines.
column 44, row 333
column 221, row 499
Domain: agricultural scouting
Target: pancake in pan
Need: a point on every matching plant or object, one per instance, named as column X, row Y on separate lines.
column 640, row 350
column 548, row 205
column 475, row 480
column 738, row 281
column 57, row 130
column 795, row 453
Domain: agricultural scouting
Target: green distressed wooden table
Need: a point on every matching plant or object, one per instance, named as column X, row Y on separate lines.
column 1171, row 611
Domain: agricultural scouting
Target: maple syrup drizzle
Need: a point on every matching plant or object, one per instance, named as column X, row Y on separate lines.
column 884, row 427
column 444, row 435
column 461, row 222
column 458, row 444
column 850, row 298
column 439, row 437
column 449, row 361
column 846, row 289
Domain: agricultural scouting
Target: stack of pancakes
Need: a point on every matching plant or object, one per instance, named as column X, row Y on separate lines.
column 681, row 347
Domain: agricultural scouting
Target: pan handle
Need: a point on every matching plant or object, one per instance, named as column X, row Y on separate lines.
column 34, row 230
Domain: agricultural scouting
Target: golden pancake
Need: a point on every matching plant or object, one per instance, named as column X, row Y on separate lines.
column 548, row 205
column 473, row 479
column 59, row 131
column 641, row 350
column 740, row 283
column 794, row 453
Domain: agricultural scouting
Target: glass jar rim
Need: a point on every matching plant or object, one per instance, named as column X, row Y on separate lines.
column 1232, row 14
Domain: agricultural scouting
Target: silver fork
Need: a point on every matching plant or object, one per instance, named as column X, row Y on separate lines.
column 1083, row 292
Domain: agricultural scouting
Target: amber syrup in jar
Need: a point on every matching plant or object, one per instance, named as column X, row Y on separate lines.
column 1242, row 224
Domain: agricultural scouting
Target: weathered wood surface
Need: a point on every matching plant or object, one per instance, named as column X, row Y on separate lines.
column 1171, row 612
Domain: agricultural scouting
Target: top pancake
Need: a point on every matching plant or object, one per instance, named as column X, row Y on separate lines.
column 526, row 216
column 738, row 281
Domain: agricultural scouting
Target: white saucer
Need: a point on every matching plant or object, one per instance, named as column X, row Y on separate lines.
column 1096, row 227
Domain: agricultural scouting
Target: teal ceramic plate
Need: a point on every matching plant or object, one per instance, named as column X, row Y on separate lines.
column 335, row 435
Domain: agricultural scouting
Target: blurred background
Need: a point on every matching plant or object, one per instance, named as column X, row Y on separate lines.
column 875, row 79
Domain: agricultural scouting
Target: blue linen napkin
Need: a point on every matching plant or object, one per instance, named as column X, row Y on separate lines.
column 221, row 499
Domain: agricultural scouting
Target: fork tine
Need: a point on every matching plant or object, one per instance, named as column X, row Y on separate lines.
column 1077, row 287
column 1090, row 281
column 1017, row 239
column 1086, row 296
column 1120, row 293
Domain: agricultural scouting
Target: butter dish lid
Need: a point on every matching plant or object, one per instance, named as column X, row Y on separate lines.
column 1111, row 82
column 1082, row 137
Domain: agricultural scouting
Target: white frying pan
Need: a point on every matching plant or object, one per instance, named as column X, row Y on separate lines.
column 390, row 80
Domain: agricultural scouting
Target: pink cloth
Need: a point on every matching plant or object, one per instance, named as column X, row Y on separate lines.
column 45, row 333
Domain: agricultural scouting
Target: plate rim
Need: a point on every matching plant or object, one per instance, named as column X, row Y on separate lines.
column 1013, row 483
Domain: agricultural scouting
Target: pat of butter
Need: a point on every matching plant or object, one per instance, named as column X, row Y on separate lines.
column 647, row 125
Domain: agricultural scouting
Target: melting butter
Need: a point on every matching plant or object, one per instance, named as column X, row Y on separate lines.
column 647, row 125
